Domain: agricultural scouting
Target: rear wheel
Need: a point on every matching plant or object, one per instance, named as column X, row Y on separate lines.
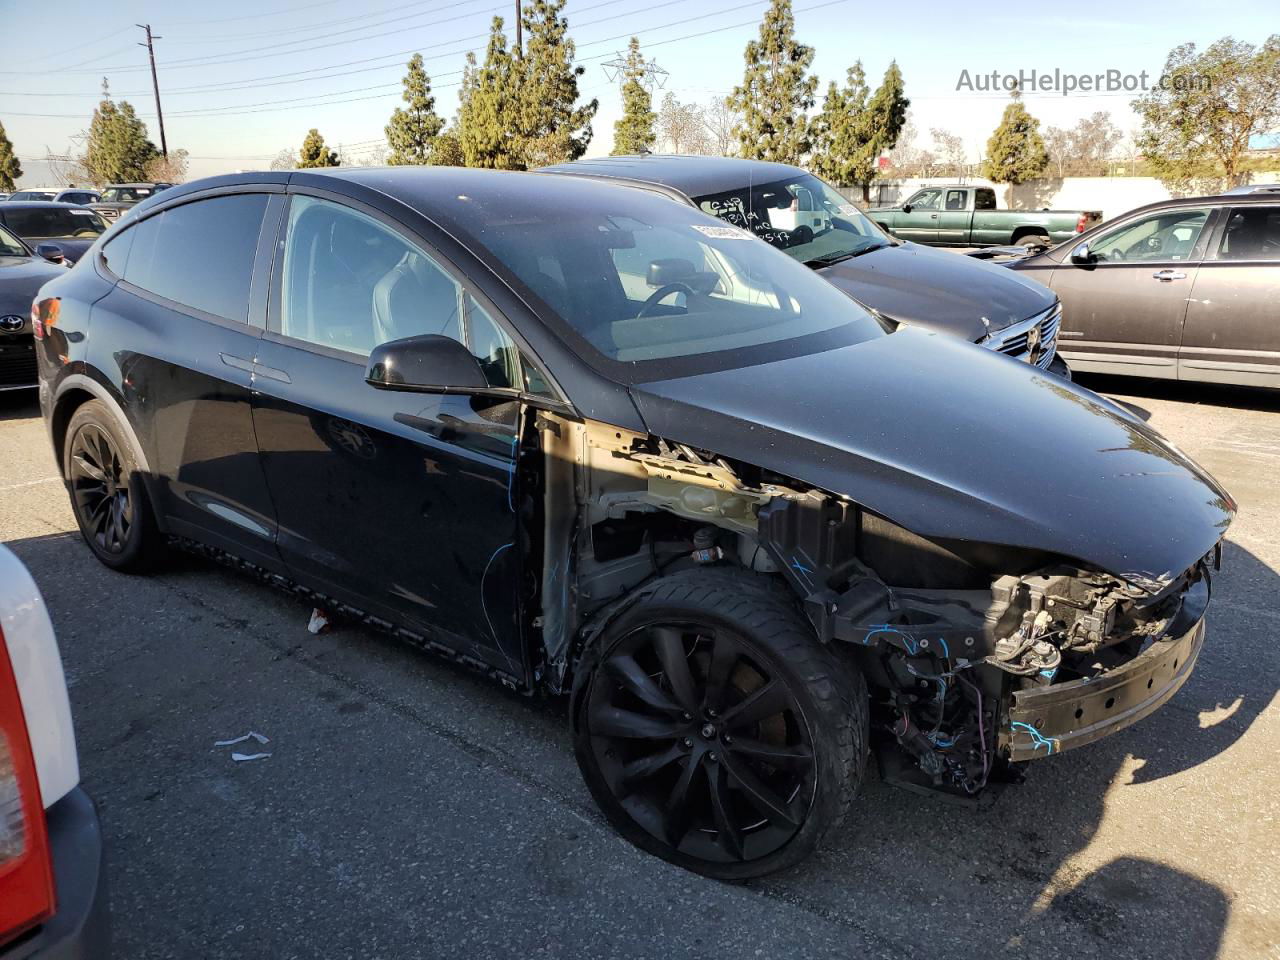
column 716, row 732
column 107, row 493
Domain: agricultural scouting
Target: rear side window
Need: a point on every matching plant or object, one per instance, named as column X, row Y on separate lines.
column 1252, row 233
column 199, row 254
column 984, row 199
column 955, row 199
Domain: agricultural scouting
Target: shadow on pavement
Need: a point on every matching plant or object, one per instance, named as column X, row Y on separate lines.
column 18, row 405
column 1217, row 394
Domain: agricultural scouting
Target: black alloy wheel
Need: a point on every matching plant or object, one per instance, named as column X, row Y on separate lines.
column 100, row 489
column 705, row 744
column 107, row 492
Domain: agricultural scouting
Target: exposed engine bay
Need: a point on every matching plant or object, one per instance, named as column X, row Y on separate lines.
column 977, row 655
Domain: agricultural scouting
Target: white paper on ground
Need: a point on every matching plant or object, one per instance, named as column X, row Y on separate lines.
column 251, row 734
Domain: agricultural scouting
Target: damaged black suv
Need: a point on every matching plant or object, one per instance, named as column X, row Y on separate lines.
column 597, row 443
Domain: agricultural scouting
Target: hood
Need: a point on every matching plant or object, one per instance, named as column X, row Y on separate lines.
column 20, row 279
column 958, row 443
column 938, row 290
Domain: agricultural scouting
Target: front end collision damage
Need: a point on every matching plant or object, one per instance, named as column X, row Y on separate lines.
column 978, row 656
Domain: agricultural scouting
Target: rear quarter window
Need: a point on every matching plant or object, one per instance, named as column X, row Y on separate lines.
column 199, row 254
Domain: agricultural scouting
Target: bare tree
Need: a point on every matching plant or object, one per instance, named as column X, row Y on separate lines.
column 908, row 158
column 170, row 169
column 1058, row 142
column 950, row 151
column 286, row 159
column 682, row 127
column 722, row 123
column 1085, row 149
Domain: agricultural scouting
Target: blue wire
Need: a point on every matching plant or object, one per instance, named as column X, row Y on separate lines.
column 1039, row 739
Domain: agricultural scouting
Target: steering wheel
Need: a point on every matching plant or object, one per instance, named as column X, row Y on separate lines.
column 662, row 293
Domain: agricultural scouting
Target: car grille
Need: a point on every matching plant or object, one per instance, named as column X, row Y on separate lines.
column 1016, row 339
column 17, row 364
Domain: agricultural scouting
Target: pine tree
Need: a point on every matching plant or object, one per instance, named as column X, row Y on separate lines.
column 882, row 124
column 447, row 150
column 550, row 125
column 488, row 105
column 117, row 149
column 10, row 168
column 1015, row 152
column 837, row 137
column 775, row 92
column 314, row 153
column 412, row 132
column 634, row 133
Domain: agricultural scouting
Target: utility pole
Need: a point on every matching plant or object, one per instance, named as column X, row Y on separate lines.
column 155, row 84
column 519, row 37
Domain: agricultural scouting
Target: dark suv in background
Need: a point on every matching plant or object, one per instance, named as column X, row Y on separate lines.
column 812, row 222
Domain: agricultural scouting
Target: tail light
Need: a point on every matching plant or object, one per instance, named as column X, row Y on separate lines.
column 44, row 314
column 1080, row 223
column 26, row 870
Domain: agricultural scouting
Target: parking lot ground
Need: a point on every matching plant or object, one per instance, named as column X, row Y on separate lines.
column 411, row 809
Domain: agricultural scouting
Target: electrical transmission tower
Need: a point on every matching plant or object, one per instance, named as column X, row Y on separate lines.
column 651, row 75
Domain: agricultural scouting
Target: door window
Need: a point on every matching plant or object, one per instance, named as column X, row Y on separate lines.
column 351, row 283
column 1169, row 235
column 925, row 200
column 1252, row 233
column 199, row 254
column 955, row 199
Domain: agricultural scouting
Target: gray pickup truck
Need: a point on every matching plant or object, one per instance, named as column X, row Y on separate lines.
column 954, row 215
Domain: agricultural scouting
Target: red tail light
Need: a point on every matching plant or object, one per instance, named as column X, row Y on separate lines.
column 26, row 871
column 44, row 314
column 1080, row 224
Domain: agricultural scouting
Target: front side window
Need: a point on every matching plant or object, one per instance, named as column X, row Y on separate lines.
column 807, row 218
column 44, row 223
column 1252, row 233
column 925, row 200
column 1169, row 235
column 199, row 254
column 351, row 283
column 955, row 199
column 34, row 195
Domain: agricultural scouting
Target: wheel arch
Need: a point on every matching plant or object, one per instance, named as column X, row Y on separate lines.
column 75, row 391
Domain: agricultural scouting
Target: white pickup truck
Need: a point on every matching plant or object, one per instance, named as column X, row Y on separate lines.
column 52, row 894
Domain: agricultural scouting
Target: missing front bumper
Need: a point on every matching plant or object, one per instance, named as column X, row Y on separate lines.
column 1049, row 720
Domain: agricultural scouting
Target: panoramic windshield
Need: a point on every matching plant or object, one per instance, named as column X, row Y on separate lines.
column 38, row 223
column 641, row 279
column 11, row 246
column 801, row 215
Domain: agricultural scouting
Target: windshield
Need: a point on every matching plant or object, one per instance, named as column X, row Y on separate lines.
column 125, row 194
column 801, row 215
column 38, row 223
column 643, row 282
column 11, row 246
column 34, row 195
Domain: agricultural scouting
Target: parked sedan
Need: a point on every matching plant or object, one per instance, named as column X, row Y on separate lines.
column 1182, row 289
column 593, row 442
column 22, row 273
column 57, row 230
column 808, row 219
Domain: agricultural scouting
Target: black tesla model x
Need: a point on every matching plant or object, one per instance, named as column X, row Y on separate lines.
column 599, row 444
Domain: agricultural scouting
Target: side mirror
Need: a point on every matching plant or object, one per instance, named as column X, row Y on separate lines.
column 1081, row 254
column 425, row 364
column 51, row 252
column 906, row 208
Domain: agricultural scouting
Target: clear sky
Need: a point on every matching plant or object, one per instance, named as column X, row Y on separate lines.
column 226, row 67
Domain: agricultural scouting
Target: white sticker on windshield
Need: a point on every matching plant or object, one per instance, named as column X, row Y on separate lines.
column 723, row 233
column 81, row 213
column 847, row 208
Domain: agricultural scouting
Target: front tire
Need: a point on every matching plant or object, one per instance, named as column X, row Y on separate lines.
column 715, row 731
column 108, row 495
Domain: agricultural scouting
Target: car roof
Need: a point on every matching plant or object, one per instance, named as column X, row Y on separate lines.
column 148, row 183
column 691, row 175
column 40, row 205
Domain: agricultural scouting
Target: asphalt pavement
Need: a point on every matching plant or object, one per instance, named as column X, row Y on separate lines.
column 412, row 809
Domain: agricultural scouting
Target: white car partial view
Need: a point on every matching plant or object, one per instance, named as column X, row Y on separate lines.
column 52, row 894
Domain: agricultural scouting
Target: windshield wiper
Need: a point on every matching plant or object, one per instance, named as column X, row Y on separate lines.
column 840, row 257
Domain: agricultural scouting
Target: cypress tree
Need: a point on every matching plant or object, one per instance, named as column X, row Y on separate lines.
column 314, row 153
column 634, row 133
column 117, row 149
column 10, row 168
column 776, row 91
column 1015, row 152
column 412, row 132
column 489, row 99
column 550, row 125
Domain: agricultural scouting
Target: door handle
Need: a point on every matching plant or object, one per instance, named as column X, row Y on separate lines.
column 933, row 216
column 239, row 363
column 1164, row 276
